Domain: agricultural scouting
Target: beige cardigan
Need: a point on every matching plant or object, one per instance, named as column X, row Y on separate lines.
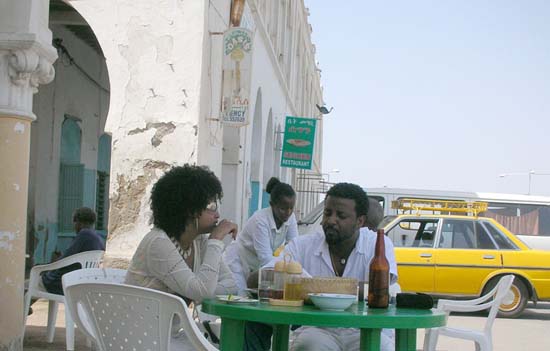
column 157, row 264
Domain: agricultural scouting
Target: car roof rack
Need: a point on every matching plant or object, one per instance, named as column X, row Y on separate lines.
column 450, row 207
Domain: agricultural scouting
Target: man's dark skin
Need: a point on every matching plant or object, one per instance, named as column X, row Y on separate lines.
column 341, row 226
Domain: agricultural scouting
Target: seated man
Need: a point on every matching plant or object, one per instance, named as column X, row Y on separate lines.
column 86, row 240
column 343, row 249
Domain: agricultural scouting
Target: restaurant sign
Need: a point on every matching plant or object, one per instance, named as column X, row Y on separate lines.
column 237, row 61
column 298, row 142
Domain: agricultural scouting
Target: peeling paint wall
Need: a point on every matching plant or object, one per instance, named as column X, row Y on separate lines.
column 154, row 54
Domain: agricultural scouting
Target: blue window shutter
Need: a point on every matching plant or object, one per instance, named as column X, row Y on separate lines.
column 71, row 186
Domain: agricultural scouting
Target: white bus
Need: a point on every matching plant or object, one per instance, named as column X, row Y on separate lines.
column 527, row 216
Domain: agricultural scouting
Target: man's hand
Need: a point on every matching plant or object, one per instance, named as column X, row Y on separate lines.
column 224, row 228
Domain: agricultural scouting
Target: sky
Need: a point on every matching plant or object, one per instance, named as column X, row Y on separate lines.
column 443, row 95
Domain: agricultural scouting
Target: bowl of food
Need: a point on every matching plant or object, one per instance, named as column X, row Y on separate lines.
column 332, row 302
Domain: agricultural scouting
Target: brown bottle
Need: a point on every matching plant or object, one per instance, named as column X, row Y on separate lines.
column 379, row 275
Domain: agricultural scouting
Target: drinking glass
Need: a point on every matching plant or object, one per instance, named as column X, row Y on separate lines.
column 266, row 281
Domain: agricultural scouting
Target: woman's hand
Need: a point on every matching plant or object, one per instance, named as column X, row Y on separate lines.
column 224, row 228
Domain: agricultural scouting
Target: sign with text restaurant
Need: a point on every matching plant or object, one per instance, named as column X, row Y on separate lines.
column 298, row 142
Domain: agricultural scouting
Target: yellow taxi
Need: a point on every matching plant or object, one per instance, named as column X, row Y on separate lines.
column 450, row 255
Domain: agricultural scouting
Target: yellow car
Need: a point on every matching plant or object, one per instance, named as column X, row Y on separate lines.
column 464, row 256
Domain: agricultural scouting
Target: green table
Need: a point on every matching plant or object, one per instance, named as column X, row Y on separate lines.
column 369, row 320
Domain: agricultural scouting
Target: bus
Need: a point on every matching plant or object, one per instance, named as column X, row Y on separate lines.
column 527, row 216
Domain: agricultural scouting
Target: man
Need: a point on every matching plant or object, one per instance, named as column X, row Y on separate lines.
column 86, row 240
column 343, row 249
column 375, row 215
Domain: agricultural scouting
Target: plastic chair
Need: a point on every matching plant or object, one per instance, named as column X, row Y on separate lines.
column 94, row 275
column 126, row 317
column 87, row 259
column 483, row 339
column 208, row 324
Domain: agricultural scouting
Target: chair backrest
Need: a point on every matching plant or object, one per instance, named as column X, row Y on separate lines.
column 87, row 259
column 93, row 275
column 125, row 317
column 490, row 301
column 499, row 292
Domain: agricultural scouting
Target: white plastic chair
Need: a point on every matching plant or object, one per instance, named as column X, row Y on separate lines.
column 94, row 275
column 483, row 339
column 87, row 259
column 126, row 317
column 210, row 325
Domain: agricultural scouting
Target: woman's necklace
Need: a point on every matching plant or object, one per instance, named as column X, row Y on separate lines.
column 187, row 252
column 184, row 253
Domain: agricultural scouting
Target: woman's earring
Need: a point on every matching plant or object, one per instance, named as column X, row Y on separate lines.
column 197, row 224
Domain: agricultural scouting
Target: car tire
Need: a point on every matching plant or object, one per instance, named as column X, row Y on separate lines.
column 515, row 300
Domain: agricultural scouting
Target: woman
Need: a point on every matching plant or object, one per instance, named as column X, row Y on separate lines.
column 264, row 232
column 174, row 256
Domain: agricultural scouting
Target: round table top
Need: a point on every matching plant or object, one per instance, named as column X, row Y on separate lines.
column 356, row 316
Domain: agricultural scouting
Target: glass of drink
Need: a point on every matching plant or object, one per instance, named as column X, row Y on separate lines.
column 266, row 281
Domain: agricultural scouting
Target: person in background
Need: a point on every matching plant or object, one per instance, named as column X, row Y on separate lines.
column 178, row 255
column 375, row 215
column 87, row 239
column 264, row 233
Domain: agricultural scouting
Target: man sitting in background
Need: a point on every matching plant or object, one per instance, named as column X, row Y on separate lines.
column 87, row 239
column 375, row 215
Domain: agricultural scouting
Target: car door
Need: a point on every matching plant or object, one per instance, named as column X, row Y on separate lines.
column 413, row 242
column 465, row 256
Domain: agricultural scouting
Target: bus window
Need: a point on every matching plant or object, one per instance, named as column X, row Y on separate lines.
column 521, row 219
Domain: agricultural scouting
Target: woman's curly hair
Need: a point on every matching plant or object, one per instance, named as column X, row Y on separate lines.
column 181, row 194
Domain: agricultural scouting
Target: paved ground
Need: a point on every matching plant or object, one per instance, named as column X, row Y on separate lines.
column 530, row 332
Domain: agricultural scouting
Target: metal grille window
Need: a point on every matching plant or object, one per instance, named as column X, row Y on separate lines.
column 101, row 200
column 71, row 181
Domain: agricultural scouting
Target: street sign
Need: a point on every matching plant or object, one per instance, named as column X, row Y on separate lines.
column 298, row 142
column 237, row 62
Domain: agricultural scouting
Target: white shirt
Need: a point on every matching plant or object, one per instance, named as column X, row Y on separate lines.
column 260, row 238
column 313, row 254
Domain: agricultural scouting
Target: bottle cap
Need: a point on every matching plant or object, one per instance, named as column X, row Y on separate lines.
column 294, row 267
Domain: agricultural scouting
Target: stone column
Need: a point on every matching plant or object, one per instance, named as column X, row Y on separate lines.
column 26, row 58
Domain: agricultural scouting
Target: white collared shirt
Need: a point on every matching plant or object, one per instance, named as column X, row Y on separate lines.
column 312, row 252
column 260, row 237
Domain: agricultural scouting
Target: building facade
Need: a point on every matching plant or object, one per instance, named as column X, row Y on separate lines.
column 135, row 87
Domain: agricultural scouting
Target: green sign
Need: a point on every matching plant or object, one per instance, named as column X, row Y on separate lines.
column 298, row 143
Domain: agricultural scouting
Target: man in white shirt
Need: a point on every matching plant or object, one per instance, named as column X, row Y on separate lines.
column 343, row 249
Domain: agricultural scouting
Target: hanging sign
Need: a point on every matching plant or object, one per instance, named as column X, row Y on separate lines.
column 298, row 142
column 237, row 62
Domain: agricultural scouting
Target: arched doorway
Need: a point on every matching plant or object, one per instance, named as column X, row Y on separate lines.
column 69, row 147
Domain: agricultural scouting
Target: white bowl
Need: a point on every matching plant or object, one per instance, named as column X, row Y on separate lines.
column 332, row 302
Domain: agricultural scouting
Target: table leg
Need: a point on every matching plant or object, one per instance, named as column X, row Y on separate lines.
column 370, row 339
column 405, row 339
column 280, row 337
column 232, row 335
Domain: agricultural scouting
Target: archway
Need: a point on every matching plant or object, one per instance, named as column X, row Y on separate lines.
column 69, row 144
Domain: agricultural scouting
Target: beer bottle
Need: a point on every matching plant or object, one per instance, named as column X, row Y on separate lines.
column 379, row 275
